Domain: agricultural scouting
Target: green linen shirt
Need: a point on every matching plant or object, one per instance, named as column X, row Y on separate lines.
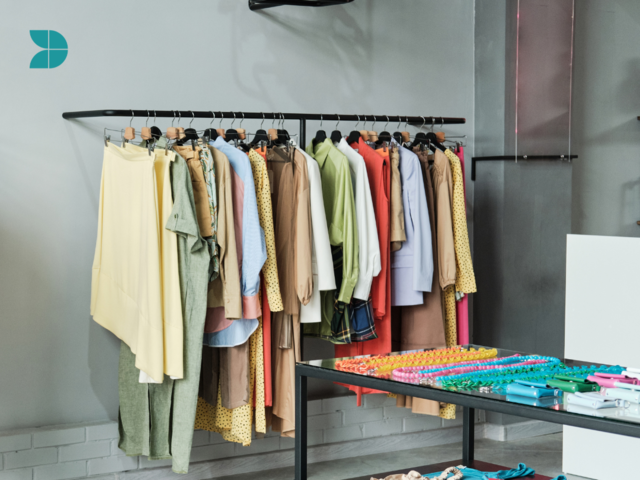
column 340, row 209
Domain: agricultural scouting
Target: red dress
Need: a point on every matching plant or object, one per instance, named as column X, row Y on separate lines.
column 378, row 164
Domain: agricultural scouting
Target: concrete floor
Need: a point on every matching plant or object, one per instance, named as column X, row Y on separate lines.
column 544, row 454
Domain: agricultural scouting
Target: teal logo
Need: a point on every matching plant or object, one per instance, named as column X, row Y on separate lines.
column 55, row 49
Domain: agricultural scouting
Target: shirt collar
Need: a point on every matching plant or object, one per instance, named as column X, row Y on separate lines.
column 321, row 151
column 219, row 142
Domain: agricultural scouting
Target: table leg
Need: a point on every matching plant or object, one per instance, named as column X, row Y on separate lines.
column 301, row 427
column 468, row 435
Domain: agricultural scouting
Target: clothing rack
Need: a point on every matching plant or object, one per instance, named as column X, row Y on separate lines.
column 262, row 4
column 516, row 158
column 273, row 116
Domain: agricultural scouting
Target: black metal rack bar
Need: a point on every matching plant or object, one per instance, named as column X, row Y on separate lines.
column 517, row 157
column 188, row 114
column 273, row 116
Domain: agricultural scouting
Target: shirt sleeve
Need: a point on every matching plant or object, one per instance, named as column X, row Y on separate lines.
column 419, row 212
column 369, row 247
column 322, row 264
column 254, row 250
column 182, row 219
column 346, row 221
column 270, row 268
column 304, row 272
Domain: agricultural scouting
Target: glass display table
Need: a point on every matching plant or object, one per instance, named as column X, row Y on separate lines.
column 619, row 420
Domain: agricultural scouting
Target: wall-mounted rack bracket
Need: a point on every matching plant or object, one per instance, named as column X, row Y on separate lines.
column 503, row 158
column 262, row 4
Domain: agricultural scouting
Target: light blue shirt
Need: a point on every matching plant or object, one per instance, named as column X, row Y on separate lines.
column 412, row 265
column 254, row 251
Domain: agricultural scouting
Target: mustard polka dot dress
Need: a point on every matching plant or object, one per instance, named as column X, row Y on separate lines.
column 465, row 278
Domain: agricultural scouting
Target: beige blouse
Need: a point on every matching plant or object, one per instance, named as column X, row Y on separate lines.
column 398, row 234
column 225, row 290
column 443, row 189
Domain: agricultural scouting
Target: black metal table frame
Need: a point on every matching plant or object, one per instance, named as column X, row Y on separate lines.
column 468, row 402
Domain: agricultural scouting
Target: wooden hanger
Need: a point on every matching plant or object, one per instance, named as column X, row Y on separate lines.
column 146, row 131
column 373, row 135
column 172, row 132
column 130, row 132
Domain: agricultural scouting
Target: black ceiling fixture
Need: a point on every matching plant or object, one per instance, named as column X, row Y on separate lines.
column 262, row 4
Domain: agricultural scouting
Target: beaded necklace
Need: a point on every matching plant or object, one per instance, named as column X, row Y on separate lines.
column 380, row 364
column 532, row 373
column 414, row 375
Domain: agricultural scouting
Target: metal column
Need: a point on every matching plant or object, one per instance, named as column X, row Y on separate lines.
column 468, row 435
column 301, row 427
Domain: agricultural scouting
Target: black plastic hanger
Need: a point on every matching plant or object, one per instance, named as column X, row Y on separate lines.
column 397, row 135
column 336, row 136
column 283, row 135
column 321, row 135
column 210, row 133
column 433, row 139
column 384, row 136
column 354, row 135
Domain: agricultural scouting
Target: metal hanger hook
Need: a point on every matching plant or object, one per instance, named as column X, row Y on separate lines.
column 213, row 117
column 338, row 121
column 234, row 119
column 193, row 116
column 321, row 122
column 262, row 122
column 441, row 122
column 423, row 122
column 364, row 123
column 154, row 116
column 399, row 122
column 385, row 125
column 179, row 117
column 281, row 122
column 147, row 123
column 374, row 121
column 174, row 117
column 358, row 122
column 242, row 119
column 433, row 122
column 274, row 120
column 221, row 118
column 132, row 116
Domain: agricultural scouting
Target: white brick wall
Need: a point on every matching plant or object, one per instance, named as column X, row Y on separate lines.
column 91, row 451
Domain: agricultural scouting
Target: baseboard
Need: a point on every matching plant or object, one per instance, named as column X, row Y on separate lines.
column 516, row 431
column 319, row 453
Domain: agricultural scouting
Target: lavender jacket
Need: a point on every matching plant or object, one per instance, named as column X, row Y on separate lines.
column 412, row 265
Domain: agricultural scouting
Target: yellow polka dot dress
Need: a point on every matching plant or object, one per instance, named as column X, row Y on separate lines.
column 465, row 278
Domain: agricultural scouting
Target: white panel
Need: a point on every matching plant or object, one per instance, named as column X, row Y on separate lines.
column 602, row 325
column 602, row 312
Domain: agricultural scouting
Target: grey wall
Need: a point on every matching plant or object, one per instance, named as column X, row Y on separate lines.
column 522, row 211
column 403, row 57
column 606, row 132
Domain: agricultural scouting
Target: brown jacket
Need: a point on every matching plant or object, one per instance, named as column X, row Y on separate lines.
column 423, row 325
column 398, row 234
column 225, row 291
column 293, row 253
column 443, row 190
